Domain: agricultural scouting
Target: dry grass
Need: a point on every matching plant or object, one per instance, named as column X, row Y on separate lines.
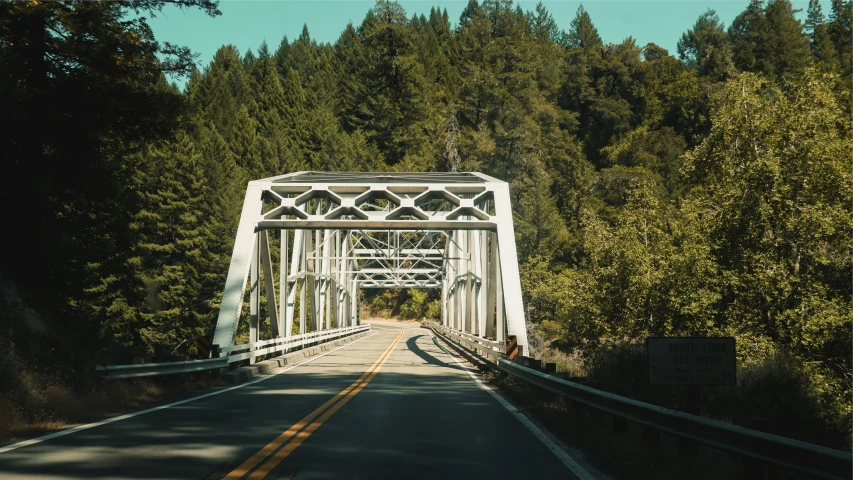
column 412, row 323
column 39, row 402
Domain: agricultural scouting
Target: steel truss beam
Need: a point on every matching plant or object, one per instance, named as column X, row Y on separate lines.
column 341, row 232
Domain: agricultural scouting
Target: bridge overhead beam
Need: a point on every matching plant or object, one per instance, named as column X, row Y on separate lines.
column 341, row 232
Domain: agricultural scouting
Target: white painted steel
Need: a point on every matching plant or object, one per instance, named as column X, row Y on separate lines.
column 229, row 354
column 452, row 231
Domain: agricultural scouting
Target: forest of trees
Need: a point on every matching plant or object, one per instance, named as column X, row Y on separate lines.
column 706, row 191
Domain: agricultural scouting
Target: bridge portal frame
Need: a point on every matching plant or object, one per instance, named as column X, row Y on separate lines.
column 345, row 231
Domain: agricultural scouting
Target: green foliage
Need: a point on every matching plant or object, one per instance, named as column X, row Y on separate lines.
column 705, row 48
column 582, row 33
column 777, row 197
column 770, row 40
column 382, row 304
column 420, row 304
column 652, row 195
column 792, row 400
column 619, row 365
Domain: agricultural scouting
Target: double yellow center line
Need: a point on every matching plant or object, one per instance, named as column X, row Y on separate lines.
column 300, row 431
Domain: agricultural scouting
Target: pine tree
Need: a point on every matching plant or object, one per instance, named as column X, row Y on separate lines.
column 840, row 30
column 542, row 25
column 398, row 91
column 223, row 89
column 814, row 19
column 244, row 143
column 787, row 49
column 471, row 10
column 705, row 48
column 770, row 40
column 82, row 88
column 582, row 33
column 171, row 255
column 270, row 101
column 249, row 60
column 227, row 184
column 294, row 110
column 539, row 229
column 282, row 56
column 821, row 40
column 744, row 35
column 469, row 55
column 351, row 65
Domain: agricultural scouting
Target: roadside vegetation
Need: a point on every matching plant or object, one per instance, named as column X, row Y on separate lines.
column 700, row 192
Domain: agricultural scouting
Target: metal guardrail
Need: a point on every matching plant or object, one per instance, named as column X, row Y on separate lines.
column 489, row 348
column 230, row 354
column 764, row 447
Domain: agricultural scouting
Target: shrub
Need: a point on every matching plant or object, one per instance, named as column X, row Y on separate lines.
column 792, row 399
column 622, row 366
column 419, row 305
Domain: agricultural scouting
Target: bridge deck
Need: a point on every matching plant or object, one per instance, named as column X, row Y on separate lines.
column 420, row 416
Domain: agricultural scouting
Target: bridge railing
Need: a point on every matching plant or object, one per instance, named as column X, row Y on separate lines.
column 763, row 448
column 491, row 349
column 229, row 354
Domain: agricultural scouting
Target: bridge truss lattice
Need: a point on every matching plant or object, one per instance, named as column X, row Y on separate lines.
column 331, row 234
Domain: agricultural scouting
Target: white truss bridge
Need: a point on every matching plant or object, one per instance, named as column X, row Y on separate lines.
column 310, row 240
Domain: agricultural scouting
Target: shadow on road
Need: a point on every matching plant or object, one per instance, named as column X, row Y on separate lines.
column 412, row 343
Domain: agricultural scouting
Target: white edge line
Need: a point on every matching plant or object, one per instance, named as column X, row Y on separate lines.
column 87, row 426
column 564, row 457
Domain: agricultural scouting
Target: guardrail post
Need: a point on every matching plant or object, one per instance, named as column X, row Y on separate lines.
column 687, row 447
column 752, row 467
column 651, row 436
column 618, row 425
column 512, row 349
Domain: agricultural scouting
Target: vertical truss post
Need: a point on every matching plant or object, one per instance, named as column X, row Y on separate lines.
column 500, row 307
column 238, row 271
column 449, row 278
column 254, row 292
column 460, row 283
column 313, row 284
column 493, row 281
column 456, row 291
column 337, row 273
column 471, row 301
column 325, row 282
column 303, row 295
column 295, row 266
column 483, row 288
column 444, row 300
column 341, row 277
column 266, row 262
column 284, row 288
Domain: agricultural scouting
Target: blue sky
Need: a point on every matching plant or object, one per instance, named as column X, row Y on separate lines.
column 246, row 23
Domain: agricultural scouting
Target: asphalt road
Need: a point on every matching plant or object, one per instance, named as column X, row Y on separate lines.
column 391, row 405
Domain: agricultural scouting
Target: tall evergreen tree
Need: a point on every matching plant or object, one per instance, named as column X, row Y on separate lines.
column 705, row 48
column 543, row 25
column 351, row 64
column 769, row 40
column 814, row 18
column 582, row 33
column 840, row 30
column 82, row 88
